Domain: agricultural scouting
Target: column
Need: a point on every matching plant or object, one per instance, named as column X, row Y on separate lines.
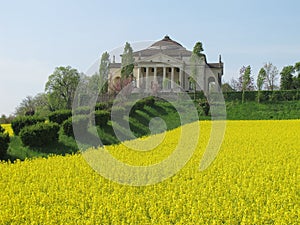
column 172, row 78
column 138, row 78
column 164, row 78
column 147, row 79
column 155, row 74
column 180, row 77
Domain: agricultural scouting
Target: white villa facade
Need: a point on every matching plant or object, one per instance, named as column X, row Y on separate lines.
column 166, row 66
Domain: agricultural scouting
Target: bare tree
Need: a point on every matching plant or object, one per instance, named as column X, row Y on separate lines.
column 272, row 75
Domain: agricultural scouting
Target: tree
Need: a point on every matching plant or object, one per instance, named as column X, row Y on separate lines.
column 198, row 49
column 271, row 76
column 195, row 60
column 103, row 72
column 61, row 87
column 246, row 79
column 127, row 61
column 261, row 77
column 226, row 87
column 296, row 78
column 26, row 106
column 286, row 81
column 234, row 84
column 33, row 105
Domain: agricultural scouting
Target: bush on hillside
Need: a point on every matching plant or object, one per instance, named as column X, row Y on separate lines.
column 4, row 142
column 101, row 117
column 81, row 123
column 22, row 121
column 60, row 116
column 40, row 134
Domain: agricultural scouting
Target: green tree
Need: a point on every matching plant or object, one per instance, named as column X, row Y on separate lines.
column 127, row 61
column 61, row 87
column 103, row 72
column 195, row 61
column 226, row 87
column 198, row 49
column 296, row 78
column 286, row 81
column 261, row 77
column 246, row 76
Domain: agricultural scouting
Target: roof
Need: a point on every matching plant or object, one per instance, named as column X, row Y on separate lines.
column 166, row 41
column 215, row 65
column 166, row 46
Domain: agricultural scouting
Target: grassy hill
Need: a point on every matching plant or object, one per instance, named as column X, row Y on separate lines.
column 139, row 124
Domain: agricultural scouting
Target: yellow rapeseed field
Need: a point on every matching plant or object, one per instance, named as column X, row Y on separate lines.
column 253, row 180
column 8, row 129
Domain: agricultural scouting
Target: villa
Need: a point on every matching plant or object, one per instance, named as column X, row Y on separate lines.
column 166, row 65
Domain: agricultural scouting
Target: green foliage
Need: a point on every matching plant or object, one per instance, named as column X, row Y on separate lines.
column 245, row 73
column 262, row 111
column 103, row 72
column 150, row 101
column 4, row 142
column 205, row 106
column 40, row 134
column 261, row 77
column 22, row 121
column 226, row 87
column 81, row 123
column 265, row 96
column 60, row 116
column 83, row 110
column 286, row 81
column 139, row 105
column 102, row 106
column 198, row 49
column 101, row 117
column 61, row 87
column 118, row 112
column 127, row 61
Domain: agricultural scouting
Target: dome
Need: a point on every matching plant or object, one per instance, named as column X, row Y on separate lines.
column 166, row 43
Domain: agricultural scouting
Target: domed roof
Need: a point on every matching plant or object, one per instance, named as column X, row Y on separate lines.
column 165, row 46
column 166, row 43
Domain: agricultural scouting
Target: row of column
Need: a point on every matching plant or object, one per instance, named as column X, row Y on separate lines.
column 155, row 76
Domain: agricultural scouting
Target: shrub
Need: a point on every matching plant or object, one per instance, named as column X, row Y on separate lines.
column 81, row 123
column 101, row 117
column 20, row 122
column 102, row 106
column 139, row 105
column 40, row 134
column 60, row 116
column 149, row 101
column 118, row 112
column 84, row 110
column 4, row 141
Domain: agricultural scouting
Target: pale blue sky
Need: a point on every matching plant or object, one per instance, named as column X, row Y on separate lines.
column 37, row 36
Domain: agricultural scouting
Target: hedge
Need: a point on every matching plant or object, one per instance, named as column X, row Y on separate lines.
column 81, row 123
column 60, row 116
column 40, row 134
column 101, row 117
column 4, row 142
column 288, row 95
column 22, row 121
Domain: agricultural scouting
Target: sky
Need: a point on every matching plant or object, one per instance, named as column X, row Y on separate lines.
column 38, row 36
